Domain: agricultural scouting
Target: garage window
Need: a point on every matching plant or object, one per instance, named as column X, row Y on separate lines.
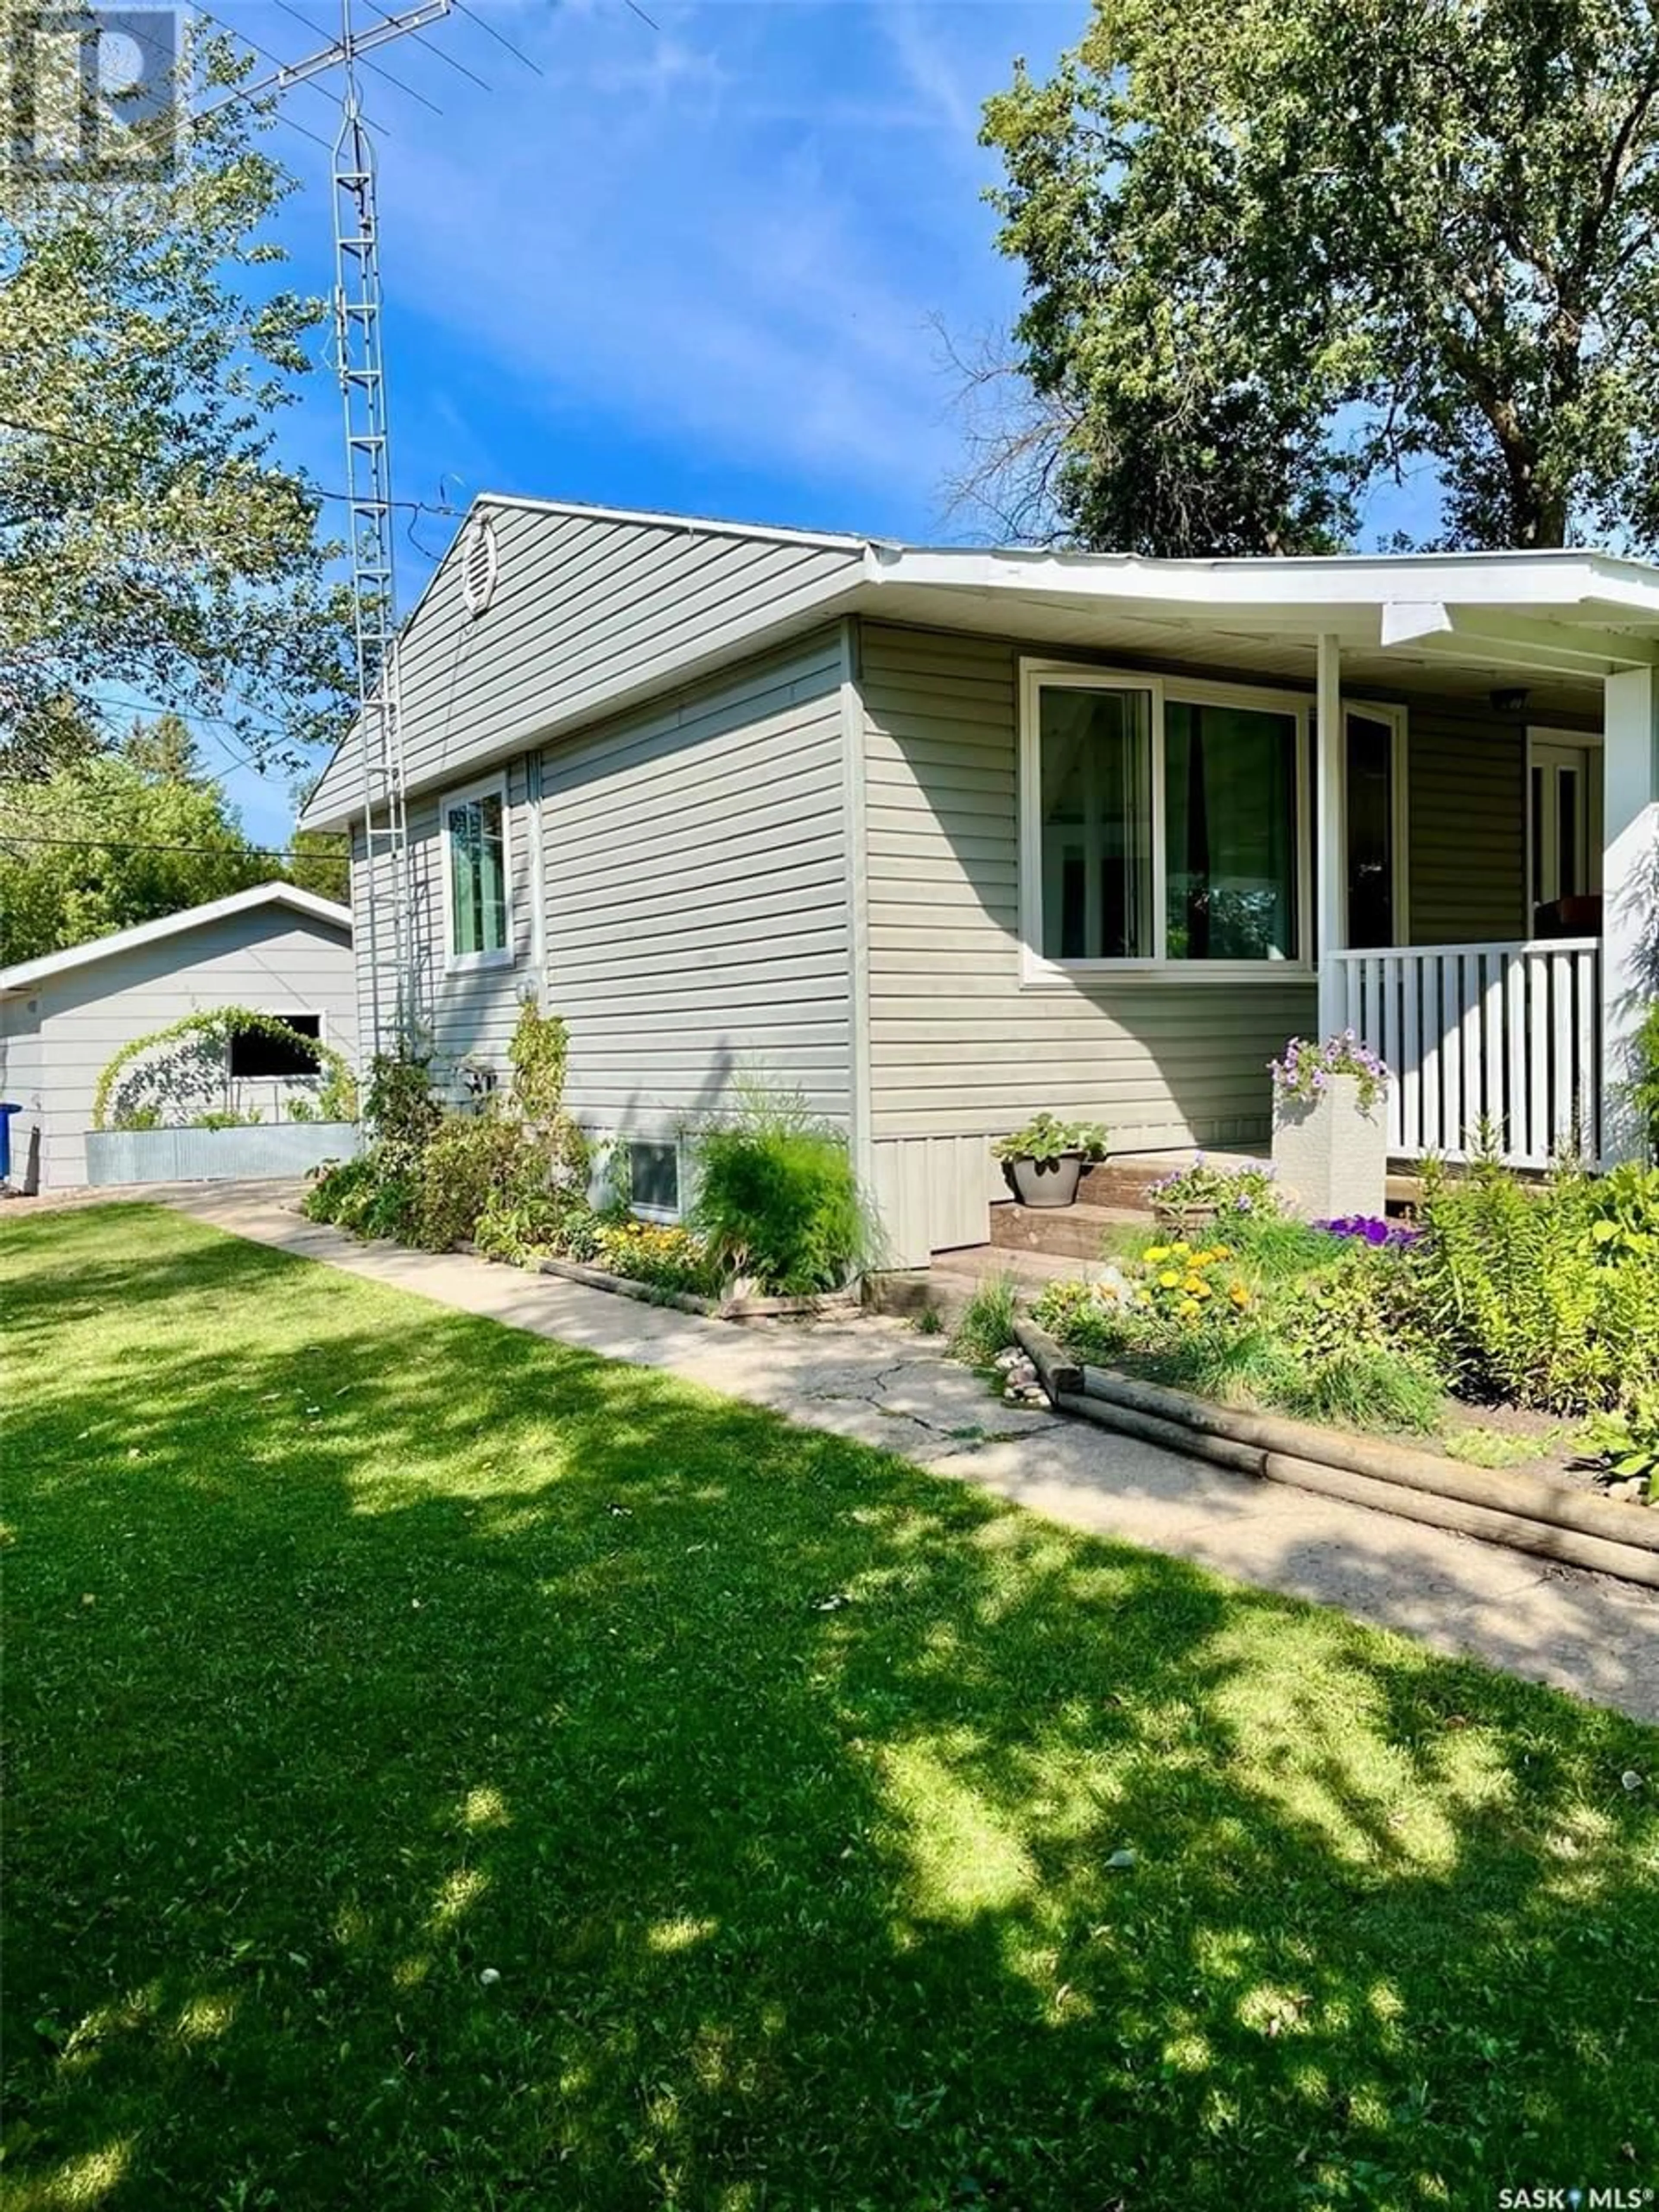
column 255, row 1054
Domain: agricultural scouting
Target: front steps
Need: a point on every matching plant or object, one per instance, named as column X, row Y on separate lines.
column 1071, row 1232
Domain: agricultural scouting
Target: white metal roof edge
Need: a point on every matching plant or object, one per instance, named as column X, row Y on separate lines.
column 40, row 970
column 834, row 541
column 1615, row 586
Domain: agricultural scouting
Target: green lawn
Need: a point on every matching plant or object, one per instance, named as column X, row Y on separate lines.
column 361, row 1653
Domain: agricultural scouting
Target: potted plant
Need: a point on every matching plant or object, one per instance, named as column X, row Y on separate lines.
column 1045, row 1160
column 1330, row 1137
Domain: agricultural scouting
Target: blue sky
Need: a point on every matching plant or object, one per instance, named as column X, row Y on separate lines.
column 692, row 266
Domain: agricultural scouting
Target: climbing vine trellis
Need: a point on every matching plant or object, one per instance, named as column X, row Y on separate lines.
column 194, row 1036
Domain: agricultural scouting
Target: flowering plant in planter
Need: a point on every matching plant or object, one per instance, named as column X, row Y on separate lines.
column 1330, row 1146
column 1204, row 1190
column 1306, row 1069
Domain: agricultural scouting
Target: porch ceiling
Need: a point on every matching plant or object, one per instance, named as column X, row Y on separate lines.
column 1207, row 640
column 1441, row 624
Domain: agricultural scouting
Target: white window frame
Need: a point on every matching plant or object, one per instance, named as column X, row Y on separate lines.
column 1397, row 719
column 1543, row 745
column 1038, row 972
column 455, row 963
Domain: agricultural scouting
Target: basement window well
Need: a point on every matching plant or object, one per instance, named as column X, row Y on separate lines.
column 654, row 1179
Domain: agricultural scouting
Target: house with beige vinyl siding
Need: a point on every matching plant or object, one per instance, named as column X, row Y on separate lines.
column 943, row 838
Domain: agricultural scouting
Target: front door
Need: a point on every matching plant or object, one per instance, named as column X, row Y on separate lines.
column 1565, row 806
column 1371, row 786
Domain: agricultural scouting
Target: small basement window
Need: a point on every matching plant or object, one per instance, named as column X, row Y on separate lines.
column 654, row 1178
column 255, row 1054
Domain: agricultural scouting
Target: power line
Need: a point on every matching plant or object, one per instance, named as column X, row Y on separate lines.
column 644, row 18
column 318, row 32
column 121, row 446
column 194, row 714
column 137, row 845
column 500, row 37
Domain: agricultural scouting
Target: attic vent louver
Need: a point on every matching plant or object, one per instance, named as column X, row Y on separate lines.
column 480, row 562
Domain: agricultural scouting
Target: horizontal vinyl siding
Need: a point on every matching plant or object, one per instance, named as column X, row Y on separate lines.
column 1466, row 802
column 958, row 1050
column 585, row 607
column 276, row 966
column 696, row 903
column 467, row 1014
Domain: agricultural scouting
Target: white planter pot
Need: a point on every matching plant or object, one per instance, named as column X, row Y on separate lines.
column 1330, row 1155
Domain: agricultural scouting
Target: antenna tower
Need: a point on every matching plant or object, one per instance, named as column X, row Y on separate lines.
column 384, row 932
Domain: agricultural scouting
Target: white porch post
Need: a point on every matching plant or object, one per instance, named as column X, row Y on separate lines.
column 1629, row 890
column 1330, row 870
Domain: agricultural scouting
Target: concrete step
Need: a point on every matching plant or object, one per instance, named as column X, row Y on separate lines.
column 1121, row 1183
column 1075, row 1232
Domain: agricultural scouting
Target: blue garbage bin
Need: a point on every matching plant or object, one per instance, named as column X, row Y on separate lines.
column 6, row 1113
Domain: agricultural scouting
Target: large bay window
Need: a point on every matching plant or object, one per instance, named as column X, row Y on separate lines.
column 1165, row 824
column 475, row 877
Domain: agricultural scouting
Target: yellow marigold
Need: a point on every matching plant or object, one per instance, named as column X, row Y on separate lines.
column 1169, row 1278
column 1187, row 1309
column 1154, row 1253
column 1223, row 1251
column 1239, row 1294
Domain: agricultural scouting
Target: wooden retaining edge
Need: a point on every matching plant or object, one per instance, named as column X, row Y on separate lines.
column 1059, row 1373
column 1568, row 1545
column 734, row 1310
column 1523, row 1496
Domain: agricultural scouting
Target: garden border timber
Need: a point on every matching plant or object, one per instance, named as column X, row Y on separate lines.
column 1526, row 1512
column 829, row 1304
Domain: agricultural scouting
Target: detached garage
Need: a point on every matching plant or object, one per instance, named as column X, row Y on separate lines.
column 275, row 949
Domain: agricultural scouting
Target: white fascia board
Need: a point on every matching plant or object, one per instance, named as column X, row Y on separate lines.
column 1610, row 588
column 27, row 972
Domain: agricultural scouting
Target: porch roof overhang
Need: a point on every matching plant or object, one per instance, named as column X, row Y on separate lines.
column 1557, row 623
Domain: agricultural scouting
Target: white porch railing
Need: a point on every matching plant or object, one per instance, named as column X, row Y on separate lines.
column 1507, row 1034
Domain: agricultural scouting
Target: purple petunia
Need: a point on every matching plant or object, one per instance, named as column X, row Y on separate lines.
column 1373, row 1230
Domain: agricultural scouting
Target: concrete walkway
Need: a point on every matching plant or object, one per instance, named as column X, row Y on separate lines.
column 884, row 1384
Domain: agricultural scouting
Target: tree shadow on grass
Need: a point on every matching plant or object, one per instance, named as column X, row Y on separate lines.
column 363, row 1653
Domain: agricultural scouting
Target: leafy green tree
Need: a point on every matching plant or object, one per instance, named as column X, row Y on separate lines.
column 164, row 751
column 317, row 861
column 1277, row 251
column 149, row 536
column 103, row 844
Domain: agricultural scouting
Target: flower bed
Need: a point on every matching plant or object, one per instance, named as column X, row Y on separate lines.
column 777, row 1225
column 1495, row 1297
